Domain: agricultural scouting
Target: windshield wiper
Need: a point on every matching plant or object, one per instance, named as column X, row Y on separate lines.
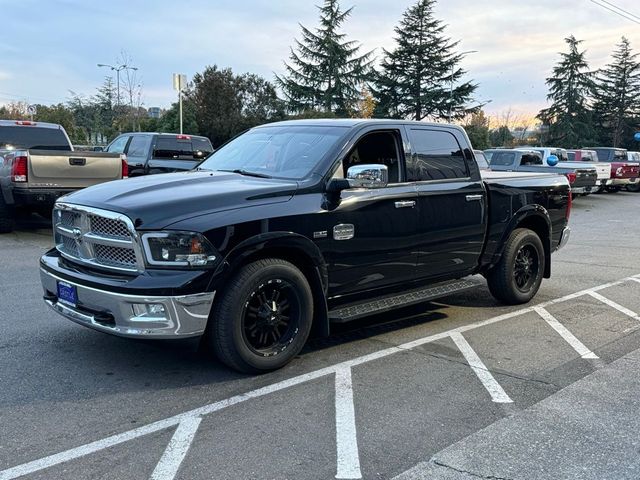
column 247, row 173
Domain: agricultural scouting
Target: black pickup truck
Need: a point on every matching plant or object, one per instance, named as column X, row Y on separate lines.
column 295, row 225
column 151, row 153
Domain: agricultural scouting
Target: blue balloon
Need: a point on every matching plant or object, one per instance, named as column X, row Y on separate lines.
column 552, row 160
column 637, row 137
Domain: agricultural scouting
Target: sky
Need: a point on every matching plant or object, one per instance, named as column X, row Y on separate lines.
column 49, row 48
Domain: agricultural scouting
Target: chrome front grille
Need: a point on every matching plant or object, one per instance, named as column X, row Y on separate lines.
column 95, row 237
column 109, row 227
column 114, row 256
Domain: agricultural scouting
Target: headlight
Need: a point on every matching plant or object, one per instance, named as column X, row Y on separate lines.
column 178, row 249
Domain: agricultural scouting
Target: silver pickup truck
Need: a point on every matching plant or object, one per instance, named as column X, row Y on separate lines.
column 38, row 165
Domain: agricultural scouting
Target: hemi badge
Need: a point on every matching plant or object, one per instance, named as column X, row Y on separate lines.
column 322, row 234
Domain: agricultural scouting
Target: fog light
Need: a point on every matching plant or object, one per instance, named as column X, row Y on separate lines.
column 149, row 311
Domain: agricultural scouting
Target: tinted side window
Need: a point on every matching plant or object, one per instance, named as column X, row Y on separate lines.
column 139, row 146
column 572, row 156
column 118, row 145
column 173, row 148
column 201, row 147
column 438, row 156
column 503, row 159
column 530, row 159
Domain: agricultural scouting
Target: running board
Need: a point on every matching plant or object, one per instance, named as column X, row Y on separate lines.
column 348, row 313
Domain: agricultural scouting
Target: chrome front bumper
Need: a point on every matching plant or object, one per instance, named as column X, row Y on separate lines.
column 564, row 239
column 183, row 316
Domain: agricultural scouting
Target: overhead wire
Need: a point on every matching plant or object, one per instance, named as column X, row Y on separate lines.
column 620, row 12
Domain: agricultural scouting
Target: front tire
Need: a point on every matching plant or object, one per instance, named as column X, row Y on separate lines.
column 517, row 277
column 263, row 317
column 634, row 187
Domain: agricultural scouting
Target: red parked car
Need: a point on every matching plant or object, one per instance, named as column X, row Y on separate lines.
column 623, row 172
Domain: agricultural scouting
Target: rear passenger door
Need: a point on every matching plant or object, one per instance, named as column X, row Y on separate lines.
column 172, row 153
column 451, row 202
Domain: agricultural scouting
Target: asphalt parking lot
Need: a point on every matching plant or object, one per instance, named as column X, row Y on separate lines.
column 379, row 399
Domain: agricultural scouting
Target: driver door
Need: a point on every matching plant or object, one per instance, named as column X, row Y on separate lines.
column 371, row 240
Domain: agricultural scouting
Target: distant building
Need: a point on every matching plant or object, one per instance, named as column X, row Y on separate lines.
column 154, row 112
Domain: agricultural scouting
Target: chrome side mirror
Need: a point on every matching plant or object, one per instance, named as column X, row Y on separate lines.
column 368, row 176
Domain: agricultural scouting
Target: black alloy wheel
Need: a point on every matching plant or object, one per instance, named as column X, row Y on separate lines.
column 271, row 317
column 525, row 269
column 262, row 317
column 518, row 275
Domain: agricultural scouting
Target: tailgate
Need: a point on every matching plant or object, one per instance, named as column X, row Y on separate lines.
column 72, row 169
column 627, row 170
column 585, row 178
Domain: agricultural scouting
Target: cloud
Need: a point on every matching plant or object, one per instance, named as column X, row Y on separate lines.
column 517, row 42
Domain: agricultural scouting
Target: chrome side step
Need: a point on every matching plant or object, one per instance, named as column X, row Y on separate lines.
column 352, row 312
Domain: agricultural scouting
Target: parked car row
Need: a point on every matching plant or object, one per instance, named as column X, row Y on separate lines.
column 38, row 163
column 589, row 170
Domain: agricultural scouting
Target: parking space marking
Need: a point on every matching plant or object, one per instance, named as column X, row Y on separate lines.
column 615, row 305
column 346, row 436
column 93, row 447
column 498, row 395
column 569, row 337
column 169, row 463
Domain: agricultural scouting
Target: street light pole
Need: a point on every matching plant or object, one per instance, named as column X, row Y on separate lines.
column 118, row 69
column 453, row 66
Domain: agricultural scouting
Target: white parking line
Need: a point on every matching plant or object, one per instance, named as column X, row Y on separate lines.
column 569, row 337
column 169, row 463
column 498, row 395
column 346, row 437
column 83, row 450
column 615, row 305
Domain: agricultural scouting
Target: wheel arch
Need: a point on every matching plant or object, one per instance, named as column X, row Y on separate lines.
column 535, row 218
column 294, row 248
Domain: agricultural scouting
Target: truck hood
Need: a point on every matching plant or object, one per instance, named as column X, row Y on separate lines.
column 157, row 201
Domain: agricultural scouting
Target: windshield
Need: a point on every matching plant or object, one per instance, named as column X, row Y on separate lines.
column 290, row 152
column 33, row 138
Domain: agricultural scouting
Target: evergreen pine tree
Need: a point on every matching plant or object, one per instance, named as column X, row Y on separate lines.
column 417, row 78
column 327, row 71
column 569, row 117
column 617, row 98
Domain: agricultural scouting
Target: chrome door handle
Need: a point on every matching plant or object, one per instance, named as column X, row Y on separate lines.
column 406, row 204
column 474, row 198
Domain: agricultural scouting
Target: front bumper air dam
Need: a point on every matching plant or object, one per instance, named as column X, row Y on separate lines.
column 115, row 313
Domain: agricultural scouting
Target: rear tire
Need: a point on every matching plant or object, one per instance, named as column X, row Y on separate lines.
column 635, row 187
column 7, row 217
column 517, row 277
column 262, row 318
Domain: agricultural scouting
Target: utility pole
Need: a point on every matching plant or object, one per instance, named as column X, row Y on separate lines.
column 179, row 82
